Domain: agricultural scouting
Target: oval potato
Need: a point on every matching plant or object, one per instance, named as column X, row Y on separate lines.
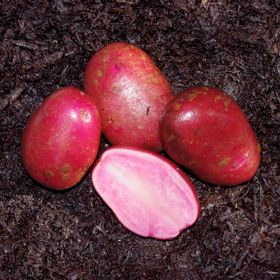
column 206, row 131
column 130, row 93
column 61, row 139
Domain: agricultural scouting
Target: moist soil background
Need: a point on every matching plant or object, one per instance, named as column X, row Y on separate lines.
column 231, row 45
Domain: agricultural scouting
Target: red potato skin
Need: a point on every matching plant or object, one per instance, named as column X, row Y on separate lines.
column 61, row 139
column 130, row 93
column 206, row 131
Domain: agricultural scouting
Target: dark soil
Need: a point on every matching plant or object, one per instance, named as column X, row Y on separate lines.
column 232, row 45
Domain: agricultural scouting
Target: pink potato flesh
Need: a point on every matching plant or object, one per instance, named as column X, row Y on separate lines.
column 61, row 139
column 130, row 93
column 149, row 194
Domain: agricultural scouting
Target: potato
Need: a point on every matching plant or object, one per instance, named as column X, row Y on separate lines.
column 149, row 194
column 130, row 93
column 61, row 139
column 205, row 130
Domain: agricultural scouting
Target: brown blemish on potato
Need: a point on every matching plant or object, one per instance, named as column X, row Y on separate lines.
column 192, row 96
column 144, row 56
column 95, row 82
column 65, row 176
column 227, row 100
column 48, row 174
column 205, row 90
column 259, row 147
column 65, row 171
column 80, row 173
column 85, row 116
column 171, row 138
column 153, row 78
column 194, row 93
column 177, row 106
column 66, row 168
column 99, row 73
column 224, row 162
column 217, row 98
column 148, row 110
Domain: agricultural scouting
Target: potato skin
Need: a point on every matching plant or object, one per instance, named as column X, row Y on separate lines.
column 61, row 139
column 130, row 93
column 206, row 131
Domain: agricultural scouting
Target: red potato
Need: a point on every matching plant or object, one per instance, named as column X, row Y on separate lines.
column 205, row 130
column 130, row 93
column 148, row 193
column 61, row 139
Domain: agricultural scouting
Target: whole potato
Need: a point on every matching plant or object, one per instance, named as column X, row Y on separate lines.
column 61, row 139
column 130, row 93
column 205, row 130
